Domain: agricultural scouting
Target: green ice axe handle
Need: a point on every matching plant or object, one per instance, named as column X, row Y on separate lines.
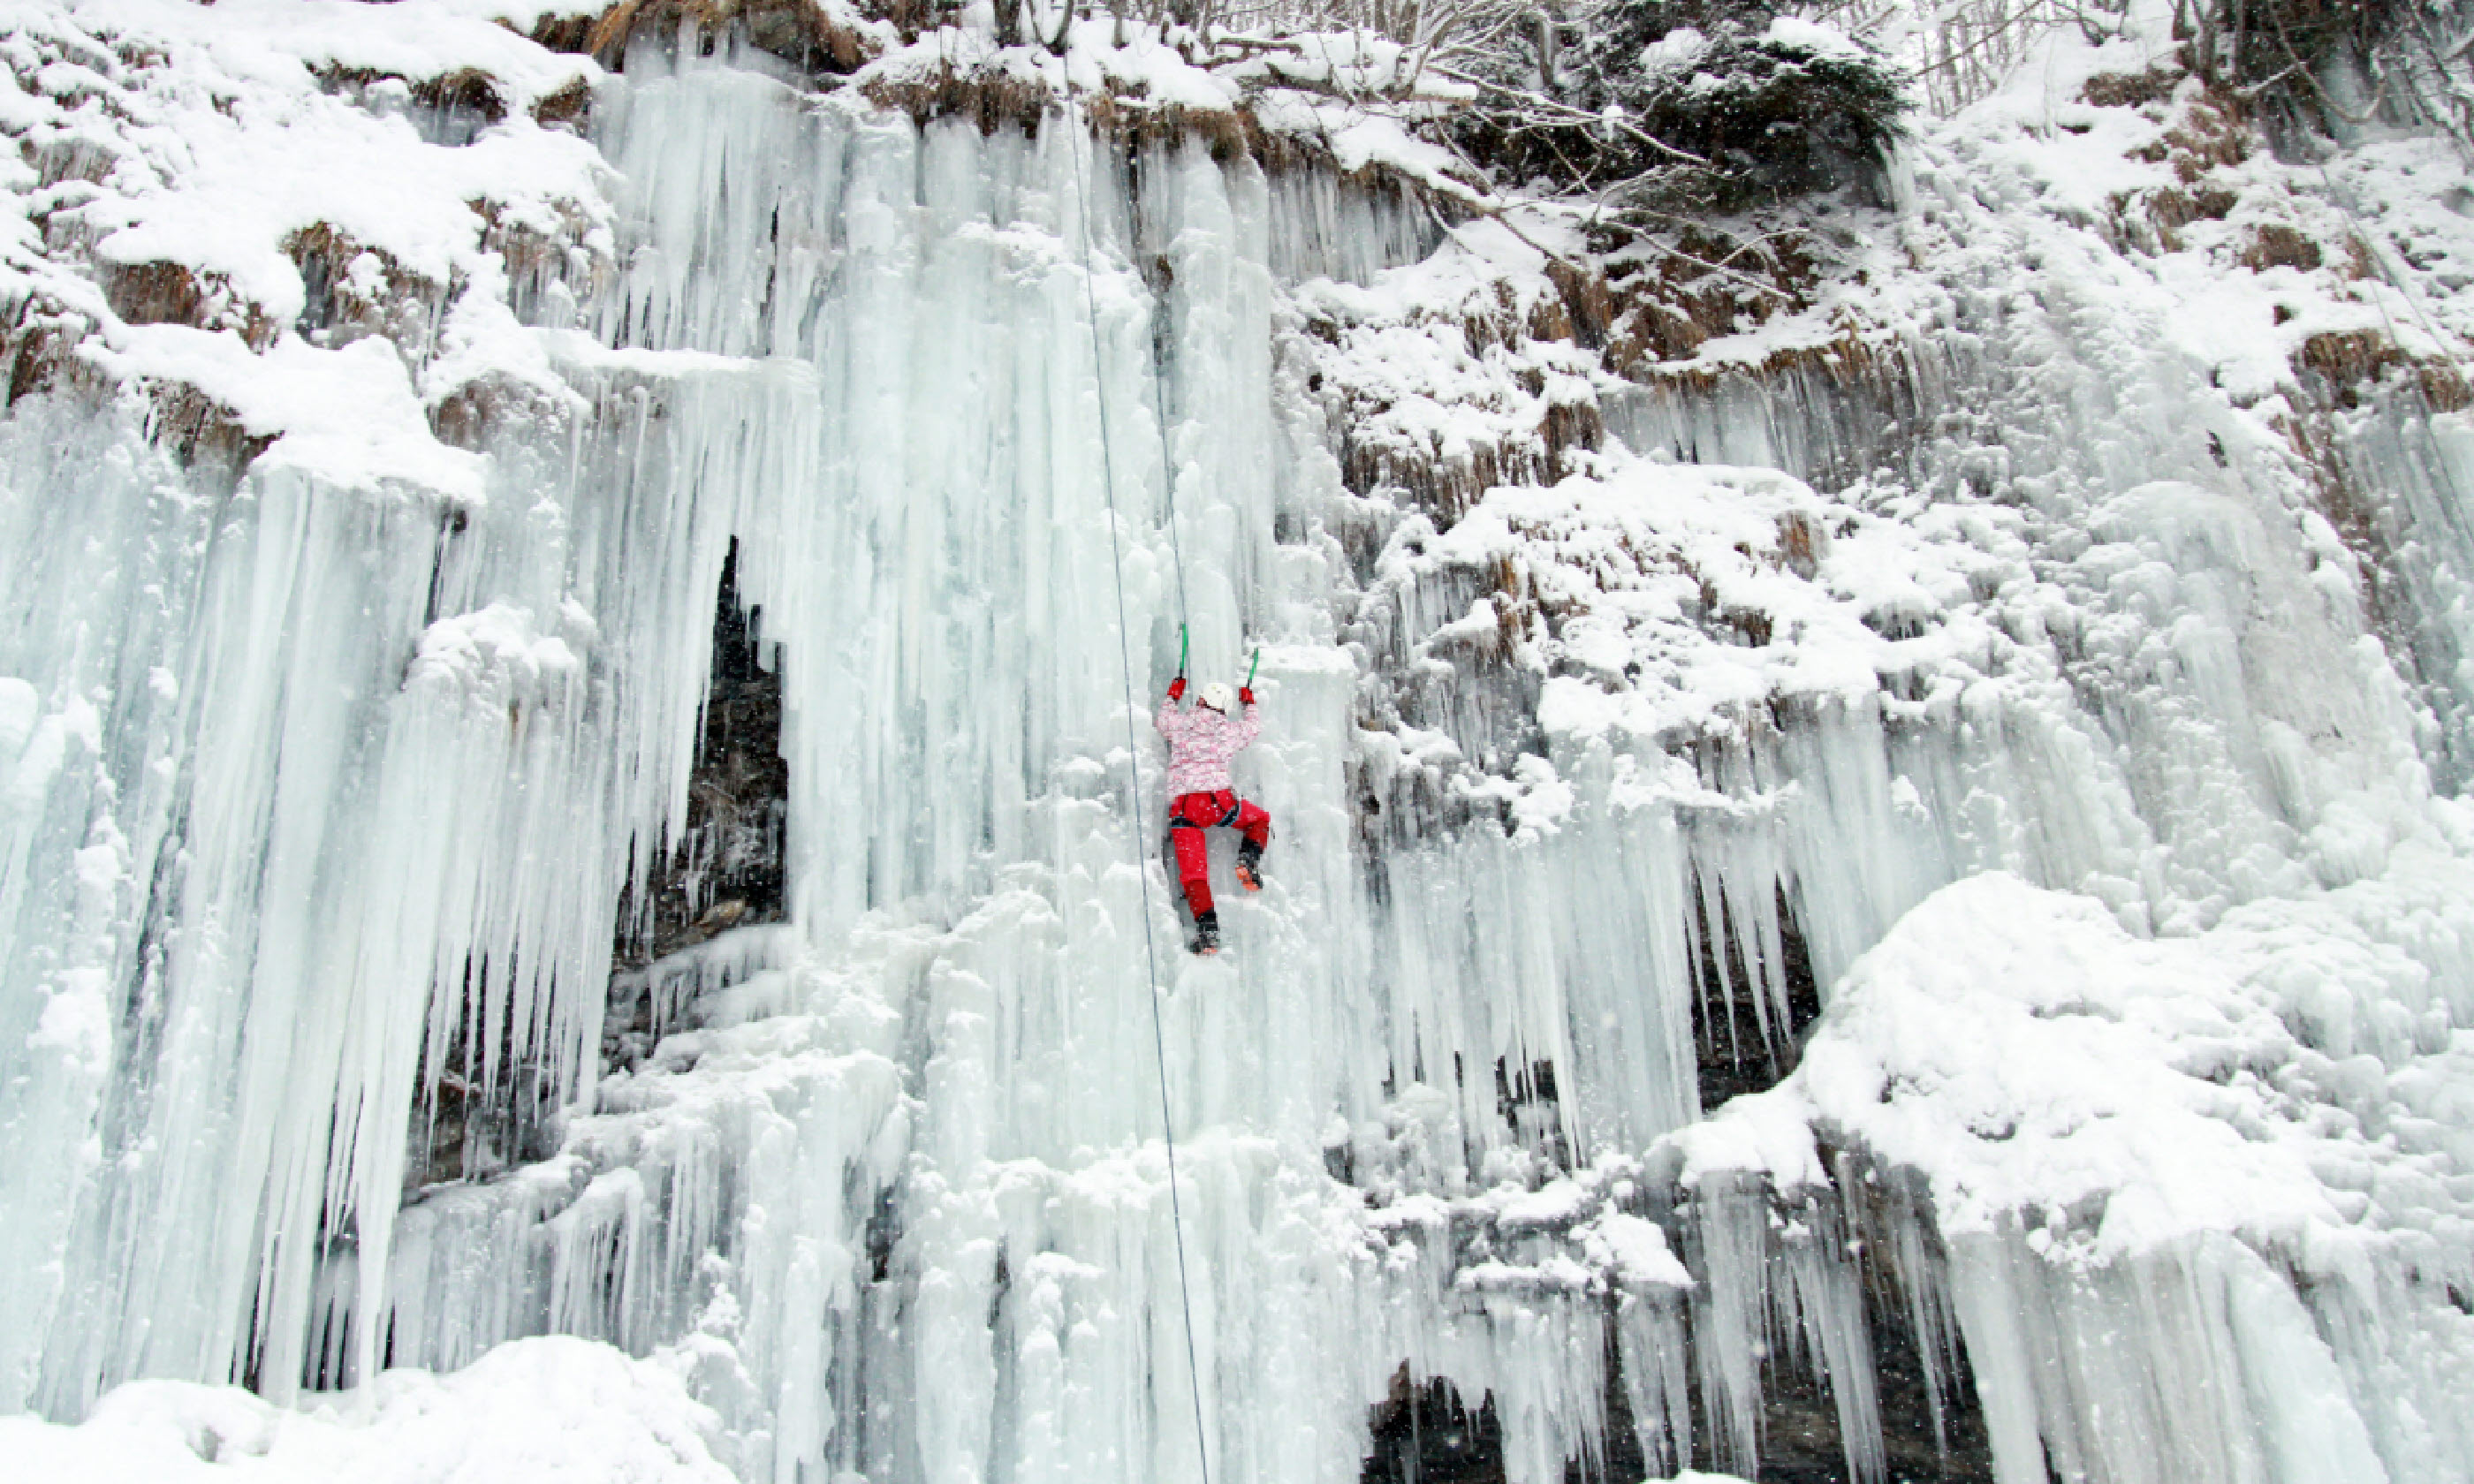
column 1252, row 668
column 1180, row 649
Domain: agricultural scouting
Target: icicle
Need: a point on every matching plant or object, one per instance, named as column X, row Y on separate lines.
column 1656, row 1373
column 1827, row 1296
column 1731, row 1316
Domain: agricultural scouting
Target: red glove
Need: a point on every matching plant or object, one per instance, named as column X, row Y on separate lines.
column 1245, row 695
column 1176, row 688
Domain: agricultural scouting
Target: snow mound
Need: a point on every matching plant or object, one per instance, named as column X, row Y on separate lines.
column 550, row 1410
column 2280, row 1078
column 499, row 657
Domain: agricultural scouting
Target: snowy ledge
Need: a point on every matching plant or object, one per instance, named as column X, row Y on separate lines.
column 2114, row 1096
column 241, row 213
column 193, row 189
column 1338, row 99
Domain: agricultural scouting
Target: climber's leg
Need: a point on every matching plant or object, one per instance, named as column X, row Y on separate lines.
column 1198, row 893
column 1193, row 873
column 1193, row 854
column 1256, row 825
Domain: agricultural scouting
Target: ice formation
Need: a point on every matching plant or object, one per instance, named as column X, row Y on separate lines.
column 2034, row 654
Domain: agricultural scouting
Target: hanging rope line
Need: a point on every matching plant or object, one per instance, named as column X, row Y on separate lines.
column 1168, row 478
column 1135, row 767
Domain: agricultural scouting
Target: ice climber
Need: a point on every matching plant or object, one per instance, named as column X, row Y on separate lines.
column 1200, row 744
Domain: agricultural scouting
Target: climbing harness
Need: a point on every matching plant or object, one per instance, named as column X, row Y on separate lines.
column 1135, row 767
column 1179, row 819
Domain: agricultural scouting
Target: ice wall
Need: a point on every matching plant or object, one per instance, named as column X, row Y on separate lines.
column 324, row 790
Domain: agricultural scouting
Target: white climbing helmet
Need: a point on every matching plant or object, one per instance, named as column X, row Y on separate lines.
column 1217, row 696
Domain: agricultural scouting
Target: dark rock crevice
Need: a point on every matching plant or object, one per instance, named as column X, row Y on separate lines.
column 1742, row 1045
column 476, row 1120
column 726, row 869
column 1426, row 1435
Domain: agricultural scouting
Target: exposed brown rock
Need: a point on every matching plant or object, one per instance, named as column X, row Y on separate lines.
column 800, row 32
column 2275, row 245
column 2131, row 89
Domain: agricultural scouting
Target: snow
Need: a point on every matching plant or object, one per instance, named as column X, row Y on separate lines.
column 220, row 155
column 420, row 43
column 499, row 657
column 346, row 415
column 1812, row 37
column 1358, row 140
column 1635, row 564
column 553, row 1408
column 1140, row 69
column 225, row 191
column 1634, row 1250
column 2036, row 1061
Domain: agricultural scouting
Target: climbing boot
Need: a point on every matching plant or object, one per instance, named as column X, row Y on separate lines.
column 1206, row 933
column 1250, row 866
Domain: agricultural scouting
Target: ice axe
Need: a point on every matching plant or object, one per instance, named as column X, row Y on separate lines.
column 1252, row 668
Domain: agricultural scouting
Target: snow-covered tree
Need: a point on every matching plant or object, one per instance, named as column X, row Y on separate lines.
column 1710, row 104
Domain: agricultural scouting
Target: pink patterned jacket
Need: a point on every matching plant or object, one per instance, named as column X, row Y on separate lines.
column 1200, row 744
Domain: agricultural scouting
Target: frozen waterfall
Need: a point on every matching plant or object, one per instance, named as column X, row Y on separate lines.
column 2011, row 704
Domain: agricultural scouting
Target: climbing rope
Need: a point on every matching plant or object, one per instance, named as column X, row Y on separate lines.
column 1168, row 474
column 1135, row 767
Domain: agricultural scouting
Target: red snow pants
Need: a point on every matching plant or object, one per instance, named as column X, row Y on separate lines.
column 1189, row 815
